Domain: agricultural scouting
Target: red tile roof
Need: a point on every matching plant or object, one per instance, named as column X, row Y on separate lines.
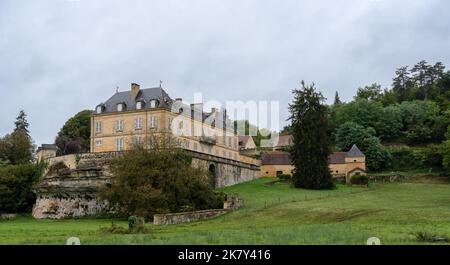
column 337, row 158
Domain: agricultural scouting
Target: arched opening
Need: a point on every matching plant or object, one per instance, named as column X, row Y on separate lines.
column 212, row 175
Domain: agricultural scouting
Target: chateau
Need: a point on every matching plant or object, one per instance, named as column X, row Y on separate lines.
column 142, row 117
column 138, row 116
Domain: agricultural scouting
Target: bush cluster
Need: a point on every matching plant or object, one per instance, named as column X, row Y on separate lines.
column 16, row 183
column 149, row 181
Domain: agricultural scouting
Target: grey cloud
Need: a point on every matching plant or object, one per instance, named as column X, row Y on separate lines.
column 58, row 57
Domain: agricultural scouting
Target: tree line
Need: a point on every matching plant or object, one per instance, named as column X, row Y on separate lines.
column 18, row 173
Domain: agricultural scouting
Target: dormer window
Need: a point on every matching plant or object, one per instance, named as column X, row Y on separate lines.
column 120, row 107
column 139, row 105
column 153, row 103
column 99, row 109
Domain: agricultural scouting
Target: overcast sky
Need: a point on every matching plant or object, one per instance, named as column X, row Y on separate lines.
column 58, row 57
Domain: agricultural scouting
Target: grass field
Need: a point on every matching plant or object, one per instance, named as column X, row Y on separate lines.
column 276, row 214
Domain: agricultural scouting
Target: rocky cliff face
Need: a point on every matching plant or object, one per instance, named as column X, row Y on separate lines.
column 72, row 192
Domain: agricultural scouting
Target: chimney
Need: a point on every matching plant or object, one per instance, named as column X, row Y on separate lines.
column 197, row 111
column 134, row 91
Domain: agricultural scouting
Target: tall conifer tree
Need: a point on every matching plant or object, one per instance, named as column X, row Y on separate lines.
column 310, row 150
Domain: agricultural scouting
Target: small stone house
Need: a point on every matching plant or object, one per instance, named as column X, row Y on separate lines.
column 46, row 151
column 343, row 165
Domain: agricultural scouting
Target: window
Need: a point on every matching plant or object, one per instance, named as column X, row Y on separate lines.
column 119, row 125
column 195, row 146
column 139, row 105
column 224, row 153
column 137, row 140
column 152, row 103
column 152, row 121
column 98, row 142
column 187, row 144
column 138, row 123
column 99, row 109
column 119, row 144
column 98, row 126
column 169, row 123
column 217, row 152
column 209, row 149
column 120, row 107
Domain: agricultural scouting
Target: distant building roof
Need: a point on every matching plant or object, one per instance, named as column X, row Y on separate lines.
column 282, row 158
column 243, row 140
column 276, row 158
column 355, row 169
column 284, row 140
column 47, row 147
column 337, row 158
column 355, row 152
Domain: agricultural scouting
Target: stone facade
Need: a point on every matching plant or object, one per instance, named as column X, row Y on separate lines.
column 136, row 116
column 225, row 172
column 72, row 192
column 177, row 218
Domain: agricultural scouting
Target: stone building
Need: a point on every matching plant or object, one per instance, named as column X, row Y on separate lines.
column 343, row 165
column 136, row 116
column 46, row 151
column 140, row 116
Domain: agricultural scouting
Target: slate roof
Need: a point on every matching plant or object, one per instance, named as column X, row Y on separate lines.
column 145, row 95
column 355, row 152
column 277, row 158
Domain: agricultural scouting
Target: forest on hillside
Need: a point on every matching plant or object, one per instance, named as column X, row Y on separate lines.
column 402, row 127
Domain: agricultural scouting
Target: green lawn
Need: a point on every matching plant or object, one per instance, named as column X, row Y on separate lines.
column 276, row 214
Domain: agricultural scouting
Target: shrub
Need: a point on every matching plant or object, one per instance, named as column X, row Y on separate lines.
column 159, row 180
column 117, row 229
column 359, row 179
column 136, row 223
column 424, row 236
column 418, row 158
column 16, row 182
column 55, row 168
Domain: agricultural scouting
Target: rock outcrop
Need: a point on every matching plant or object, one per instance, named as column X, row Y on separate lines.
column 72, row 192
